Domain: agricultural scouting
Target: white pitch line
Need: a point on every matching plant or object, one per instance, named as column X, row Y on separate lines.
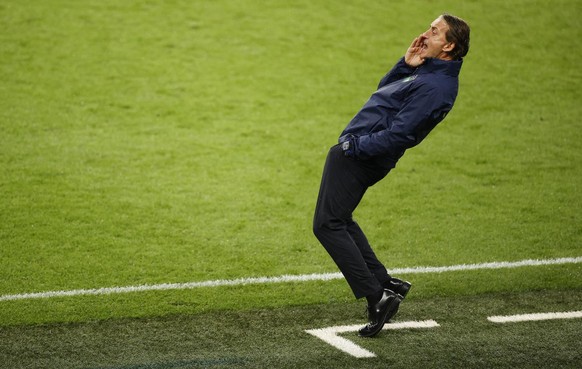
column 281, row 279
column 330, row 335
column 534, row 317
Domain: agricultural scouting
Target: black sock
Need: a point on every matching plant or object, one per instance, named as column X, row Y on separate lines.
column 374, row 298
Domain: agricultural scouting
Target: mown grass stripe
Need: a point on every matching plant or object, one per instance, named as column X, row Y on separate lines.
column 198, row 363
column 281, row 279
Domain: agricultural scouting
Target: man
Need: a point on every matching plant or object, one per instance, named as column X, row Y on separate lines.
column 410, row 101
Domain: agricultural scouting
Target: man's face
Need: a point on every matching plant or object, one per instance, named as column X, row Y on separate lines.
column 434, row 40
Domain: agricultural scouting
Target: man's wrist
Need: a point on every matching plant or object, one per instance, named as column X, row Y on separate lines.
column 412, row 66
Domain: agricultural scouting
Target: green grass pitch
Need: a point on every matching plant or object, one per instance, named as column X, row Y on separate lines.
column 148, row 141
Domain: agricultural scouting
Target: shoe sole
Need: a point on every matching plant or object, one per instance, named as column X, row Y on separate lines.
column 404, row 289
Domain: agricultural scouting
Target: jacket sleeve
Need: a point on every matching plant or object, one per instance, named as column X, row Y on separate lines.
column 423, row 108
column 398, row 71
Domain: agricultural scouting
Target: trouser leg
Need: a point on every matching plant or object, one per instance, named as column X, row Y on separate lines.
column 374, row 265
column 343, row 185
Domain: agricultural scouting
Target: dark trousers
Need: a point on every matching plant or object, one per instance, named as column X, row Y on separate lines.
column 343, row 184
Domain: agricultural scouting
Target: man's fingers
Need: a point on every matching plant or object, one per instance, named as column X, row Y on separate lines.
column 418, row 41
column 414, row 42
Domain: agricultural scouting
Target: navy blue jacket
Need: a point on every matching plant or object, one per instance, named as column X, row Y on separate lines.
column 408, row 104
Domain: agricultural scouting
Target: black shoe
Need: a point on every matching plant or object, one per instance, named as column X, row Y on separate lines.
column 381, row 312
column 394, row 308
column 398, row 286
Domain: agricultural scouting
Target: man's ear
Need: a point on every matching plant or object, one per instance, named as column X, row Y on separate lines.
column 449, row 47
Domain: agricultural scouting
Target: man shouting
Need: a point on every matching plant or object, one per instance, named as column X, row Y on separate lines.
column 410, row 101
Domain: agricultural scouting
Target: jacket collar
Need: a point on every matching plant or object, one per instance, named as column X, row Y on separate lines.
column 448, row 67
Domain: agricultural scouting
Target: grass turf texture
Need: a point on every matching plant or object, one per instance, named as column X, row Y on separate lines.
column 275, row 338
column 152, row 142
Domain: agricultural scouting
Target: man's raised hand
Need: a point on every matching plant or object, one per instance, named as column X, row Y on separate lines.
column 412, row 56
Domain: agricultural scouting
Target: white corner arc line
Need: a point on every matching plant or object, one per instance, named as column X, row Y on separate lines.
column 281, row 279
column 534, row 317
column 330, row 335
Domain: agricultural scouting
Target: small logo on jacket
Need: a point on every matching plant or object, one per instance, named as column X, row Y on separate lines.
column 408, row 79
